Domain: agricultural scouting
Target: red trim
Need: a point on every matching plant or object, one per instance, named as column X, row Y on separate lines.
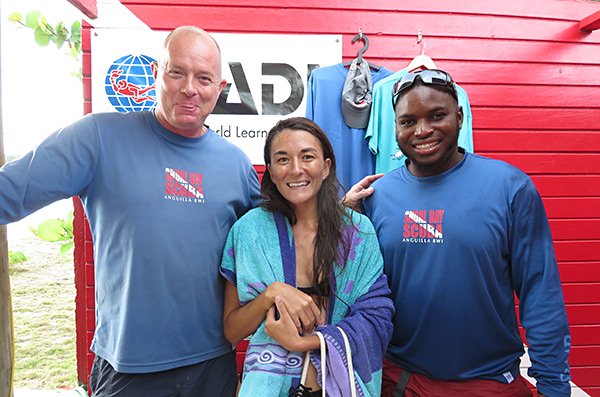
column 590, row 23
column 88, row 7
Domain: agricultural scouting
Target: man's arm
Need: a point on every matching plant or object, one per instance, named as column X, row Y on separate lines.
column 60, row 167
column 537, row 284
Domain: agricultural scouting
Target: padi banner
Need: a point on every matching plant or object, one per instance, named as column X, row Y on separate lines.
column 266, row 77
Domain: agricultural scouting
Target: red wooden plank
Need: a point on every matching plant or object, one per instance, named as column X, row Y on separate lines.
column 583, row 314
column 89, row 336
column 567, row 186
column 572, row 207
column 510, row 95
column 347, row 21
column 534, row 8
column 88, row 235
column 90, row 319
column 582, row 272
column 585, row 335
column 87, row 89
column 85, row 37
column 491, row 72
column 90, row 296
column 537, row 141
column 592, row 391
column 89, row 275
column 577, row 251
column 538, row 119
column 575, row 229
column 580, row 293
column 586, row 376
column 482, row 49
column 551, row 163
column 89, row 248
column 585, row 355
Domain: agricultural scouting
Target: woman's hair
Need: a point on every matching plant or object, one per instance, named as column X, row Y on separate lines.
column 331, row 245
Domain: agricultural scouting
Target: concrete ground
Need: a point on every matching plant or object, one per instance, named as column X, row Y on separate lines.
column 77, row 392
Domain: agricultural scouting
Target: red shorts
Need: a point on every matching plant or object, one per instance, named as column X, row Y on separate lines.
column 422, row 386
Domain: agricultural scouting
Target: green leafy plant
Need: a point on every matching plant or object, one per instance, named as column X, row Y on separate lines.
column 57, row 230
column 44, row 33
column 16, row 257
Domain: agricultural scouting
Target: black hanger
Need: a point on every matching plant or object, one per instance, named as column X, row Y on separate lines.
column 361, row 51
column 364, row 48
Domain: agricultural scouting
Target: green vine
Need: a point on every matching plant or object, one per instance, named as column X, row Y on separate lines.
column 44, row 33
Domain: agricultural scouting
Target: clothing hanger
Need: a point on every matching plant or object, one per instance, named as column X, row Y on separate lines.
column 421, row 61
column 361, row 51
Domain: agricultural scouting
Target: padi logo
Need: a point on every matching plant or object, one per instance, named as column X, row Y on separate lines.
column 288, row 75
column 129, row 83
column 130, row 86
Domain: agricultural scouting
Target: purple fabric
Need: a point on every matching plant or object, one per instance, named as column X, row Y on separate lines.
column 369, row 316
column 350, row 234
column 288, row 251
column 229, row 275
column 337, row 377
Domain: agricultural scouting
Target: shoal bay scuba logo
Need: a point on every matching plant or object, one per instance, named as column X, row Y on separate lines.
column 129, row 83
column 423, row 226
column 183, row 186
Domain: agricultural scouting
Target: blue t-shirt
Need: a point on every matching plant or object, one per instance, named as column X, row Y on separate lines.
column 324, row 107
column 381, row 132
column 159, row 207
column 456, row 247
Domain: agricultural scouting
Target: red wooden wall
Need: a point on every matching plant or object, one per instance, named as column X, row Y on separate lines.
column 533, row 79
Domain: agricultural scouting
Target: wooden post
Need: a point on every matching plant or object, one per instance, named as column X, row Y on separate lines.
column 6, row 326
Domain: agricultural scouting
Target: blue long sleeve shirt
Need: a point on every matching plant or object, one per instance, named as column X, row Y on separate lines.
column 159, row 207
column 457, row 247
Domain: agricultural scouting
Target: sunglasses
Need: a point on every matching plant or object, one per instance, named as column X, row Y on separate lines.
column 427, row 76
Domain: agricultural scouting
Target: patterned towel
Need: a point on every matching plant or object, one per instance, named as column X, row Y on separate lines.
column 259, row 251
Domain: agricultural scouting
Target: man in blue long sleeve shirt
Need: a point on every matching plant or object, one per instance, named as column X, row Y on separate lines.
column 160, row 190
column 461, row 235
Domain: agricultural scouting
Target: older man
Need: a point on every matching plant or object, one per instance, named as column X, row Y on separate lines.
column 160, row 190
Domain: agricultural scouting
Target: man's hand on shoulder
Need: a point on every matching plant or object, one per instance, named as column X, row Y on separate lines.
column 359, row 191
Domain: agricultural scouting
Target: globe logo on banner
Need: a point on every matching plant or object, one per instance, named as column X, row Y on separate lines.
column 129, row 83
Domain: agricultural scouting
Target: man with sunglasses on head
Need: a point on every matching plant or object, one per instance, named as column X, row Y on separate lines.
column 461, row 234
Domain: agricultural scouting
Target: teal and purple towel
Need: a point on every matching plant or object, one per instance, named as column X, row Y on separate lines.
column 260, row 250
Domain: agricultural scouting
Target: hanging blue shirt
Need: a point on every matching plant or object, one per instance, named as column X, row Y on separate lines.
column 354, row 159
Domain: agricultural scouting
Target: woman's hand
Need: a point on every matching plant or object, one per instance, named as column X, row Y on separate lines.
column 285, row 332
column 359, row 191
column 301, row 308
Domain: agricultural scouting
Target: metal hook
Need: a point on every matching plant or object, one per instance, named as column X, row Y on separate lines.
column 421, row 41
